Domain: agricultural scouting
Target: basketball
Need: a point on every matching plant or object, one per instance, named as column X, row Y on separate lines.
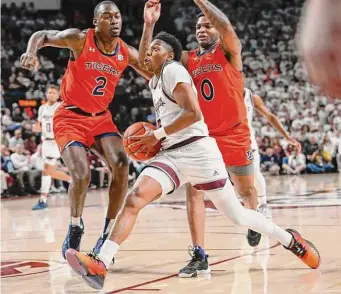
column 139, row 152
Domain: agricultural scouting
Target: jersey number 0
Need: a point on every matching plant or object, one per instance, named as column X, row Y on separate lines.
column 207, row 90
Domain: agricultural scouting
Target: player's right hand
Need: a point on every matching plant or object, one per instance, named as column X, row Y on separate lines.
column 152, row 11
column 29, row 61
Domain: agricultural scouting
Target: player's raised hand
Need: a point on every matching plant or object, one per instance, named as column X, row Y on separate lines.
column 319, row 43
column 152, row 11
column 29, row 61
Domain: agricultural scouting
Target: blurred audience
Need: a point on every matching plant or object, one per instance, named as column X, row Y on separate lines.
column 271, row 68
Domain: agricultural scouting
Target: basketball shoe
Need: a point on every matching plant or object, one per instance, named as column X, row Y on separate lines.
column 99, row 245
column 40, row 205
column 73, row 238
column 197, row 266
column 304, row 250
column 253, row 238
column 88, row 266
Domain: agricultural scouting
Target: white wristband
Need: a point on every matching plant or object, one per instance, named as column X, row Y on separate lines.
column 160, row 133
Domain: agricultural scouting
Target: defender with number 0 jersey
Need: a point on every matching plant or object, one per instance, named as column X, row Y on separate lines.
column 220, row 92
column 89, row 85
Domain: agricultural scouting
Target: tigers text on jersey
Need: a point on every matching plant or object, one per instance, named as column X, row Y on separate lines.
column 166, row 108
column 90, row 81
column 248, row 99
column 45, row 117
column 220, row 88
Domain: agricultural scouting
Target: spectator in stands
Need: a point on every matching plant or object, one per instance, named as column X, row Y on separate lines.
column 293, row 163
column 270, row 162
column 338, row 157
column 21, row 163
column 329, row 148
column 30, row 144
column 15, row 140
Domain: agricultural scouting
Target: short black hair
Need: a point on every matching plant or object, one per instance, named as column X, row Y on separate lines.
column 201, row 14
column 171, row 41
column 100, row 4
column 51, row 86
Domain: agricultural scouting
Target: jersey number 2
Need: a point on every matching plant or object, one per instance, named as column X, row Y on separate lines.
column 101, row 83
column 207, row 90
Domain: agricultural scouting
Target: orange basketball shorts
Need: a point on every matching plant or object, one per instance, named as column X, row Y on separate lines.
column 72, row 127
column 235, row 145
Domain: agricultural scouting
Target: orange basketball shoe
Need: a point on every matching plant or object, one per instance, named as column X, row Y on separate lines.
column 304, row 250
column 88, row 266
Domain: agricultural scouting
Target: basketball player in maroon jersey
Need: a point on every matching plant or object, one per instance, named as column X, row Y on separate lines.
column 216, row 69
column 319, row 41
column 98, row 58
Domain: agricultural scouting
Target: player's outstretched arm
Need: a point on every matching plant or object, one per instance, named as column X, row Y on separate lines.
column 71, row 38
column 229, row 39
column 151, row 14
column 273, row 120
column 135, row 63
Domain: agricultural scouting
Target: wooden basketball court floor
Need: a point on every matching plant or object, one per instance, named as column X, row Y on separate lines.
column 31, row 260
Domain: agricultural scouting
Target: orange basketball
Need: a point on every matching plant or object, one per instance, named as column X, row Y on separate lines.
column 139, row 152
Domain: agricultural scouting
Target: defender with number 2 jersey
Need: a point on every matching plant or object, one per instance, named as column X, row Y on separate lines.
column 220, row 92
column 90, row 81
column 89, row 86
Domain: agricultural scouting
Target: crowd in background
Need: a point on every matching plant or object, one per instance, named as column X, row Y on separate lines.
column 271, row 66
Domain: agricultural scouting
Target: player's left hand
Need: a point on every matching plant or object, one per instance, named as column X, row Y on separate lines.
column 152, row 11
column 147, row 139
column 295, row 143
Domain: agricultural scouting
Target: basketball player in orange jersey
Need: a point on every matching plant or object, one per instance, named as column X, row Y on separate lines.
column 98, row 58
column 319, row 43
column 216, row 69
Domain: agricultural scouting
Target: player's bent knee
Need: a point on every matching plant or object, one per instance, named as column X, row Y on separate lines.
column 246, row 191
column 120, row 161
column 80, row 176
column 134, row 202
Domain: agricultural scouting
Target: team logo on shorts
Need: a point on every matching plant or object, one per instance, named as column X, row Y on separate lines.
column 249, row 155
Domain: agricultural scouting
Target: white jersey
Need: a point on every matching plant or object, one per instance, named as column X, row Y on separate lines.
column 248, row 100
column 45, row 117
column 166, row 108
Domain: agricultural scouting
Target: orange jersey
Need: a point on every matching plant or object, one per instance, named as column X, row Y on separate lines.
column 90, row 81
column 220, row 89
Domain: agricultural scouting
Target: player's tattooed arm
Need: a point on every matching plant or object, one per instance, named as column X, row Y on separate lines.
column 135, row 63
column 71, row 38
column 229, row 39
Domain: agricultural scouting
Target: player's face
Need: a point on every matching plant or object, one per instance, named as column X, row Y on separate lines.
column 206, row 34
column 109, row 20
column 52, row 95
column 157, row 54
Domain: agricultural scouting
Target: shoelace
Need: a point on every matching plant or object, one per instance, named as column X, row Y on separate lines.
column 299, row 249
column 195, row 257
column 95, row 257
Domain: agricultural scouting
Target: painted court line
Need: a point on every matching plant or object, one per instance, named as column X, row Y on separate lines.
column 133, row 287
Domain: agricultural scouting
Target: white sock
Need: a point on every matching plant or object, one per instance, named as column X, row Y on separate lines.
column 108, row 251
column 45, row 184
column 76, row 221
column 43, row 198
column 226, row 202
